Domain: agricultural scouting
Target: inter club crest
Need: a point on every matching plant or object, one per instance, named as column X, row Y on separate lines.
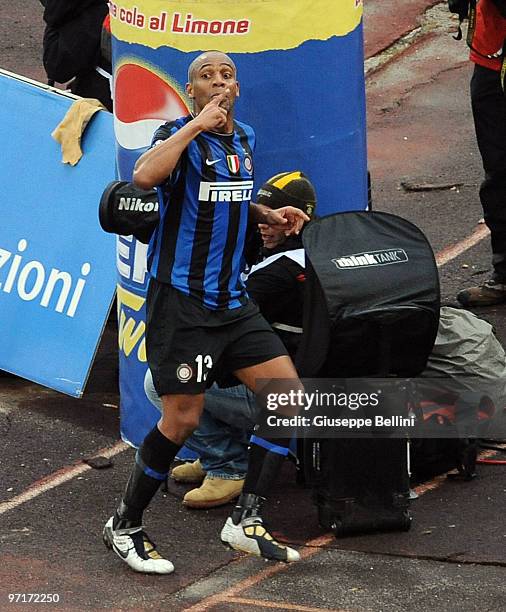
column 184, row 372
column 248, row 163
column 233, row 163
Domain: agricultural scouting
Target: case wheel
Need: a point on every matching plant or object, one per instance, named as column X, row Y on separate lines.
column 338, row 528
column 407, row 519
column 325, row 517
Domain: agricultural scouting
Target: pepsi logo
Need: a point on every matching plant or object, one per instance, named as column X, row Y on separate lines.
column 143, row 100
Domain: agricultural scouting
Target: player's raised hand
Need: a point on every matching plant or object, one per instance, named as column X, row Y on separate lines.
column 288, row 219
column 213, row 116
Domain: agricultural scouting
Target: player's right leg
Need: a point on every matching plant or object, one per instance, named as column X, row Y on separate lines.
column 172, row 345
column 123, row 532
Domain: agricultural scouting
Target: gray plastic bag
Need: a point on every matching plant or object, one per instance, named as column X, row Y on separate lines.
column 467, row 351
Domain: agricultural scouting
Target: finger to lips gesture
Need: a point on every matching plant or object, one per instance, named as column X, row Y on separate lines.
column 213, row 115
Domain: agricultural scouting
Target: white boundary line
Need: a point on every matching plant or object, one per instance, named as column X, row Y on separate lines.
column 454, row 250
column 57, row 478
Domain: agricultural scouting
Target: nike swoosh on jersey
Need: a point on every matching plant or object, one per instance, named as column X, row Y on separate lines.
column 211, row 162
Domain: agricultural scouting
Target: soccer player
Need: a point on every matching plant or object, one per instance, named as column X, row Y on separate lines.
column 276, row 282
column 200, row 322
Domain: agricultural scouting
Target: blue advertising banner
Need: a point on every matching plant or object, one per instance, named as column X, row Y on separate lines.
column 301, row 72
column 57, row 272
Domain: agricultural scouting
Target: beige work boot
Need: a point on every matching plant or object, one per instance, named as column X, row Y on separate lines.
column 213, row 492
column 488, row 294
column 189, row 472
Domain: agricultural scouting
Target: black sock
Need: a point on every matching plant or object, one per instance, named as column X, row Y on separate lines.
column 152, row 464
column 265, row 458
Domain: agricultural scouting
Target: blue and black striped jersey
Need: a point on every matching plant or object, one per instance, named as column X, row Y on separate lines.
column 204, row 205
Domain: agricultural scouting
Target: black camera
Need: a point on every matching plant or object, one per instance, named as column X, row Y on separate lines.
column 127, row 210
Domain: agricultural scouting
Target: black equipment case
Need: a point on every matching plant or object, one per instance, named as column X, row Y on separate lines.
column 372, row 310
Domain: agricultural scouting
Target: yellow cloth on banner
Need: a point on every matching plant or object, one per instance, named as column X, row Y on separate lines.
column 70, row 130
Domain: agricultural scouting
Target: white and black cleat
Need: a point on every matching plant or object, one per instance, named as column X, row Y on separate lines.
column 251, row 536
column 135, row 548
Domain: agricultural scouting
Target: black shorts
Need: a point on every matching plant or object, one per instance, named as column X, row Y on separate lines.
column 189, row 346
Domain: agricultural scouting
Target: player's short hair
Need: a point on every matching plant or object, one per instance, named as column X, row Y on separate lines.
column 192, row 66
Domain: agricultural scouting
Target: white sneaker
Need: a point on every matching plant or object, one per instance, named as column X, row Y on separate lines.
column 251, row 536
column 135, row 548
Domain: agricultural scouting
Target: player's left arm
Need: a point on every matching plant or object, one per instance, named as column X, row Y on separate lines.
column 287, row 219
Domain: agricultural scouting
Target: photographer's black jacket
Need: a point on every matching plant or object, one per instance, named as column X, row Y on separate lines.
column 276, row 284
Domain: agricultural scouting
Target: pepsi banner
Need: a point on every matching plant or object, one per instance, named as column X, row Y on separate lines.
column 57, row 276
column 301, row 72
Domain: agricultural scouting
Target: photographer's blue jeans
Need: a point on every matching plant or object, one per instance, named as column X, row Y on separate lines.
column 222, row 438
